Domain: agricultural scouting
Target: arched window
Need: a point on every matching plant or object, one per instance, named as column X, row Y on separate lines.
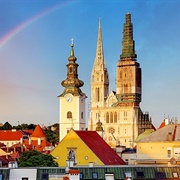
column 110, row 138
column 115, row 117
column 111, row 117
column 81, row 115
column 69, row 114
column 107, row 117
column 70, row 69
column 97, row 94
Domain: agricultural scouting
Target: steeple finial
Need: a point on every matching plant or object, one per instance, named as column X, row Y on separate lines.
column 72, row 47
column 99, row 23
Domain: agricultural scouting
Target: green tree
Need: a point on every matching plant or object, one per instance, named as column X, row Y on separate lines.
column 6, row 126
column 51, row 136
column 35, row 158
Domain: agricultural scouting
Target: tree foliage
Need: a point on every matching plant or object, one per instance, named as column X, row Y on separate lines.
column 6, row 126
column 35, row 158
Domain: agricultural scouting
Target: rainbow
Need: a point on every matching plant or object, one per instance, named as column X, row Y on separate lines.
column 31, row 20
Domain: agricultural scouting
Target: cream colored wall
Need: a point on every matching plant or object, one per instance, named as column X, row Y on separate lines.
column 10, row 143
column 82, row 150
column 156, row 150
column 75, row 106
column 126, row 128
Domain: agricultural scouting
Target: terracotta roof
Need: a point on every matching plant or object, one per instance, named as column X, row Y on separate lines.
column 38, row 132
column 170, row 132
column 102, row 150
column 10, row 135
column 162, row 125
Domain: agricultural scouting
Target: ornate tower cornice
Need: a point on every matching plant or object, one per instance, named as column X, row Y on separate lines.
column 72, row 84
column 128, row 44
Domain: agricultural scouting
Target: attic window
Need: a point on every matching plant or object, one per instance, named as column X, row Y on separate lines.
column 95, row 175
column 81, row 175
column 160, row 175
column 175, row 174
column 140, row 174
column 128, row 174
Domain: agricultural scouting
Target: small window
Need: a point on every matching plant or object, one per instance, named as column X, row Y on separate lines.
column 69, row 114
column 81, row 175
column 128, row 174
column 160, row 175
column 140, row 174
column 95, row 175
column 81, row 115
column 24, row 178
column 175, row 174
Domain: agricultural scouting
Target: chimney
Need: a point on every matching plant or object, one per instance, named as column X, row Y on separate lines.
column 74, row 174
column 170, row 136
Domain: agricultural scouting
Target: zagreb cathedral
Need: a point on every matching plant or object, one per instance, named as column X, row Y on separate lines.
column 117, row 115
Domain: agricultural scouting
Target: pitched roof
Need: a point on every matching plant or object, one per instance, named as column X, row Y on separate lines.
column 38, row 132
column 10, row 135
column 144, row 134
column 170, row 132
column 102, row 150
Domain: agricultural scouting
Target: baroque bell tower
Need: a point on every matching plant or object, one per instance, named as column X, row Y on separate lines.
column 72, row 100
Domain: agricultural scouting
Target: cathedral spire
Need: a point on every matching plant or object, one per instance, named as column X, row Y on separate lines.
column 99, row 49
column 128, row 44
column 99, row 75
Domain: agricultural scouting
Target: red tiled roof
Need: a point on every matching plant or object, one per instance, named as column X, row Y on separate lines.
column 38, row 132
column 9, row 135
column 102, row 150
column 162, row 125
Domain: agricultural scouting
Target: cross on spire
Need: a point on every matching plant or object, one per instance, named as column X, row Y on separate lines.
column 72, row 41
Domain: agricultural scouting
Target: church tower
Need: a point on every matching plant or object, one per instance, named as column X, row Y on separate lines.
column 72, row 100
column 99, row 79
column 117, row 114
column 128, row 72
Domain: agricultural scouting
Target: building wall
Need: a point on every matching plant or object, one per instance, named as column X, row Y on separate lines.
column 76, row 106
column 23, row 173
column 83, row 155
column 158, row 150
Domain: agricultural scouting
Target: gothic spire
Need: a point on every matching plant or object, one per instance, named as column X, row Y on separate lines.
column 99, row 49
column 128, row 44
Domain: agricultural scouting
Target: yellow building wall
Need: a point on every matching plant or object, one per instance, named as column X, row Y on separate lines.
column 156, row 150
column 84, row 154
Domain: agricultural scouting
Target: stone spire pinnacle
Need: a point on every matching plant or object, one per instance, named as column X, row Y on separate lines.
column 128, row 44
column 99, row 50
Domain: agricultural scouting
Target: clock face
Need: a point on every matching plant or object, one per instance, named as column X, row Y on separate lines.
column 69, row 98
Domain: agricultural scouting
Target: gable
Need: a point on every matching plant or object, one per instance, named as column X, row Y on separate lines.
column 102, row 150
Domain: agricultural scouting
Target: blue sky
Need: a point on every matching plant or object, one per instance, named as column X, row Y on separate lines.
column 33, row 58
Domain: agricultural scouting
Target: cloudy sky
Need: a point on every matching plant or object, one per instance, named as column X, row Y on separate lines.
column 35, row 46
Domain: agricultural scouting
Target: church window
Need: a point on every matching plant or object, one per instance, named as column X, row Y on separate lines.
column 120, row 74
column 111, row 117
column 81, row 115
column 69, row 114
column 107, row 117
column 115, row 117
column 111, row 130
column 97, row 94
column 92, row 78
column 125, row 115
column 101, row 78
column 71, row 155
column 70, row 69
